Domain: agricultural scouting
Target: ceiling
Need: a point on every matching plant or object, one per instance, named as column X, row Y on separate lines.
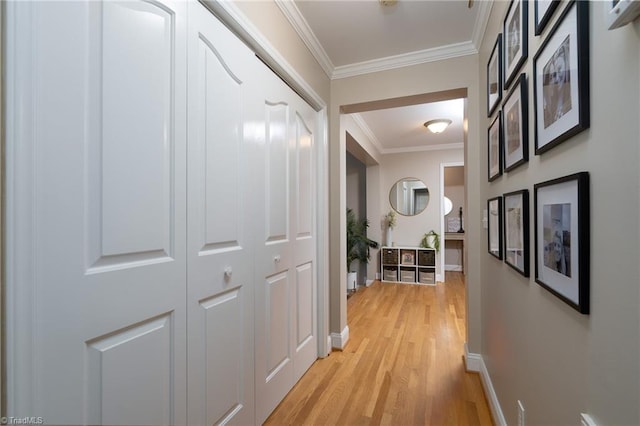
column 353, row 37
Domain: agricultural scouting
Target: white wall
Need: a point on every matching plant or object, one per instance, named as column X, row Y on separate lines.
column 537, row 349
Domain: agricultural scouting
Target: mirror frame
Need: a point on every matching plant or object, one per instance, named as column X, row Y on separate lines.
column 395, row 185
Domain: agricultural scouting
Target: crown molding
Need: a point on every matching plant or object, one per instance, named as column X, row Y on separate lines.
column 408, row 59
column 480, row 27
column 367, row 131
column 242, row 27
column 300, row 25
column 440, row 147
column 357, row 118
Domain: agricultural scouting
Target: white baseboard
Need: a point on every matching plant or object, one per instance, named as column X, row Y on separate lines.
column 475, row 363
column 457, row 268
column 368, row 283
column 339, row 340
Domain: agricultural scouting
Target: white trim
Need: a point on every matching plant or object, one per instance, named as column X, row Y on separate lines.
column 475, row 363
column 398, row 61
column 322, row 243
column 368, row 283
column 297, row 21
column 20, row 208
column 456, row 268
column 439, row 147
column 480, row 27
column 357, row 118
column 301, row 26
column 339, row 340
column 244, row 29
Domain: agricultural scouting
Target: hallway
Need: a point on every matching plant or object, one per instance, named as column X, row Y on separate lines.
column 403, row 364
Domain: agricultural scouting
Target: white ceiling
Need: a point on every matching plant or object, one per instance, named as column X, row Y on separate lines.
column 352, row 37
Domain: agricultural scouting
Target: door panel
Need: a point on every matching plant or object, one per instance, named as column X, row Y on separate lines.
column 224, row 353
column 277, row 172
column 303, row 246
column 286, row 343
column 104, row 212
column 142, row 353
column 219, row 256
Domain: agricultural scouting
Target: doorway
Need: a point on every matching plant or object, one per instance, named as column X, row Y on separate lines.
column 454, row 207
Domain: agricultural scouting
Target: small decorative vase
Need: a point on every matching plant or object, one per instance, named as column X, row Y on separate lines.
column 389, row 237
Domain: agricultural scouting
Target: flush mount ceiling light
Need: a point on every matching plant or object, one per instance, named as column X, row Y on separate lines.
column 437, row 126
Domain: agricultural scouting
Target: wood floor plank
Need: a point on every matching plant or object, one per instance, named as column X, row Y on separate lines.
column 403, row 364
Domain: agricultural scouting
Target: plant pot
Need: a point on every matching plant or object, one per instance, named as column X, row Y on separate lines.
column 352, row 281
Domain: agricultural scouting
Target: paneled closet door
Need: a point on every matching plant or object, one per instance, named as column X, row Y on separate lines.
column 220, row 257
column 96, row 180
column 285, row 308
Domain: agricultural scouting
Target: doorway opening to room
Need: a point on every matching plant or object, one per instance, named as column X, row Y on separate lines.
column 391, row 145
column 454, row 209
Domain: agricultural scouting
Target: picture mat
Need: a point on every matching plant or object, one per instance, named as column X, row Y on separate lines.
column 562, row 193
column 513, row 147
column 512, row 37
column 494, row 76
column 514, row 220
column 571, row 118
column 515, row 43
column 494, row 226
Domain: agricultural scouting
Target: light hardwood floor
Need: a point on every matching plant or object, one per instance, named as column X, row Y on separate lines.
column 403, row 364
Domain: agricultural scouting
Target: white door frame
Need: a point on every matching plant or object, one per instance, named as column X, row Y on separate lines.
column 239, row 24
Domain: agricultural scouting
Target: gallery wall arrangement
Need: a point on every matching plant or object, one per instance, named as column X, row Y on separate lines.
column 561, row 110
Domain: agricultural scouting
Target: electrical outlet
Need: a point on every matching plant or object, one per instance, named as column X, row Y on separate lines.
column 521, row 419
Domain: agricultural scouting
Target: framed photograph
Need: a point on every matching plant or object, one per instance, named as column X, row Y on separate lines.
column 494, row 219
column 407, row 258
column 494, row 77
column 543, row 12
column 561, row 79
column 516, row 125
column 516, row 230
column 561, row 209
column 516, row 39
column 494, row 147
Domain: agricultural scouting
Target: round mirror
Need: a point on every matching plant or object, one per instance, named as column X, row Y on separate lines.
column 409, row 196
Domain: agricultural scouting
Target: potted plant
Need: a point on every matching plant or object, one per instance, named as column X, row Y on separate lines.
column 431, row 240
column 358, row 245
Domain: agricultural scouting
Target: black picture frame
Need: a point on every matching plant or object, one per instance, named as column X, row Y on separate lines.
column 516, row 230
column 543, row 11
column 494, row 227
column 494, row 148
column 515, row 39
column 562, row 239
column 561, row 79
column 494, row 77
column 515, row 128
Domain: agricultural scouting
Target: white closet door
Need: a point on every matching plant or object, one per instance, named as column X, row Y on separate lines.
column 220, row 258
column 285, row 308
column 96, row 230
